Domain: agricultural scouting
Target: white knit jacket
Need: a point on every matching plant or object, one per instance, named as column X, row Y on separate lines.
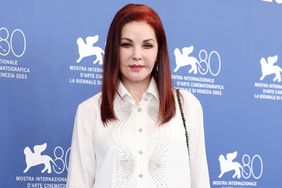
column 134, row 152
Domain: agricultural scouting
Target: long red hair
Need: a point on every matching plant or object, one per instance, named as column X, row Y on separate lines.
column 161, row 71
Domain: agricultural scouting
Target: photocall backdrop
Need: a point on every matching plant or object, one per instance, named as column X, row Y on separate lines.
column 228, row 53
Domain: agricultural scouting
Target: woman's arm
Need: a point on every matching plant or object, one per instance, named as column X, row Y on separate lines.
column 82, row 159
column 194, row 117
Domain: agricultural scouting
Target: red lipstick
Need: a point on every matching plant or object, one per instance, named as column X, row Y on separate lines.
column 136, row 67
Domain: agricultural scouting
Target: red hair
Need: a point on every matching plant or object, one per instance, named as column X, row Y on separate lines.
column 111, row 72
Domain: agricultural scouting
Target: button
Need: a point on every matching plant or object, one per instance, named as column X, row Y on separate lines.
column 140, row 175
column 140, row 152
column 140, row 130
column 139, row 109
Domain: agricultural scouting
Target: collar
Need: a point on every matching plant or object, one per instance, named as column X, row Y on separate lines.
column 123, row 101
column 151, row 90
column 122, row 91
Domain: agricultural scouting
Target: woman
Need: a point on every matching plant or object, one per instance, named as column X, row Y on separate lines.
column 132, row 134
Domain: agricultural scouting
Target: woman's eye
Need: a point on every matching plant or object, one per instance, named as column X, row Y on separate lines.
column 125, row 45
column 148, row 46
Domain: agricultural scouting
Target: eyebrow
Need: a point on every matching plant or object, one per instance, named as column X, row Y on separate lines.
column 147, row 40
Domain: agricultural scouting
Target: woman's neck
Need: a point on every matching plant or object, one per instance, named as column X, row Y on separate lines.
column 137, row 89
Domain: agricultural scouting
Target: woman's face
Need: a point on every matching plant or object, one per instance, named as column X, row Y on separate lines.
column 138, row 52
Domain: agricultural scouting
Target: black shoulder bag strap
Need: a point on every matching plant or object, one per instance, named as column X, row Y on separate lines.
column 184, row 124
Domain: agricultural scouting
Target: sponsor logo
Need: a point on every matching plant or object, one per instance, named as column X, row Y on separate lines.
column 36, row 158
column 203, row 65
column 197, row 74
column 86, row 73
column 270, row 1
column 86, row 49
column 227, row 164
column 50, row 167
column 12, row 48
column 239, row 174
column 269, row 86
column 184, row 59
column 268, row 67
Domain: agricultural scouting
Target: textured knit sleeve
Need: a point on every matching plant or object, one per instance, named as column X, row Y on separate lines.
column 194, row 118
column 82, row 159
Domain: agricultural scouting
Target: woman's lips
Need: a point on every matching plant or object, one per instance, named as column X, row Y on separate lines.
column 136, row 67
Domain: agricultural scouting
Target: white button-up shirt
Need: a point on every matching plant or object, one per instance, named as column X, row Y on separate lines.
column 135, row 152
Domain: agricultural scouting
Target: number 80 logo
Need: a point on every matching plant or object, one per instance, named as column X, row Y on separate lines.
column 8, row 43
column 205, row 63
column 61, row 159
column 249, row 166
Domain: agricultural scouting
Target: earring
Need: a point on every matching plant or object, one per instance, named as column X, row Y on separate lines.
column 157, row 66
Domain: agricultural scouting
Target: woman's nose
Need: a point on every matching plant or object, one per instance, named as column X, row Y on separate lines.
column 137, row 54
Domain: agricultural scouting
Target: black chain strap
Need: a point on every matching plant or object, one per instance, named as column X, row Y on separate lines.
column 184, row 124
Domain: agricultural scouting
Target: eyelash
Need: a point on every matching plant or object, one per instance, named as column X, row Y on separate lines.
column 127, row 45
column 148, row 46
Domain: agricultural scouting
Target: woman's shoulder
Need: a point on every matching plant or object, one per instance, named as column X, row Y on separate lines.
column 188, row 96
column 91, row 102
column 189, row 99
